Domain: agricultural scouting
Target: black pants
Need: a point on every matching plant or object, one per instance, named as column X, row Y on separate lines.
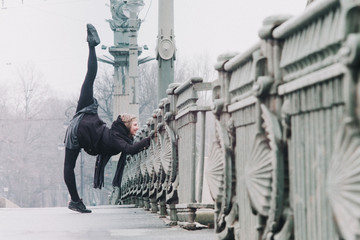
column 86, row 98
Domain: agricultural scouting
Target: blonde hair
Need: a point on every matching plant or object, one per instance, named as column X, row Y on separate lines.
column 127, row 119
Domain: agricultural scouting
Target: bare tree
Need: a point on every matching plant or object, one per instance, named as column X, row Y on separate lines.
column 4, row 99
column 196, row 66
column 32, row 90
column 199, row 66
column 32, row 130
column 309, row 2
column 104, row 91
column 148, row 90
column 29, row 143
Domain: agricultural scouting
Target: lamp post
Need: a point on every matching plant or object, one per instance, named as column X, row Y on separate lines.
column 131, row 10
column 165, row 47
column 125, row 24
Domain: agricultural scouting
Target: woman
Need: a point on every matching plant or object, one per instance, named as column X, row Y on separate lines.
column 88, row 131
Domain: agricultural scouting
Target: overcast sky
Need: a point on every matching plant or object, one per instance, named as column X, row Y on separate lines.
column 51, row 34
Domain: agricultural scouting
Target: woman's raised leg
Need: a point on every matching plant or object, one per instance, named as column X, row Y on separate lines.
column 87, row 93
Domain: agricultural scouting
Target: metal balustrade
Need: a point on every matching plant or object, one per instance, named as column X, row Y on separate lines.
column 284, row 162
column 286, row 123
column 151, row 178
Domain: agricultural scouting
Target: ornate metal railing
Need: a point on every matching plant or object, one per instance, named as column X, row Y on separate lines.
column 151, row 178
column 287, row 129
column 285, row 159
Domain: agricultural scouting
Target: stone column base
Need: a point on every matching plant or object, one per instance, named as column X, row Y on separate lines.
column 146, row 204
column 172, row 215
column 140, row 202
column 162, row 209
column 153, row 205
column 186, row 215
column 114, row 196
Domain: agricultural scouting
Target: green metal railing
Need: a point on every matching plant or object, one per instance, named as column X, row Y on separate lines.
column 284, row 163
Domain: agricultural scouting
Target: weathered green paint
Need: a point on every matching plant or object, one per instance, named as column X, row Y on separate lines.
column 171, row 156
column 285, row 159
column 125, row 52
column 165, row 76
column 294, row 91
column 165, row 49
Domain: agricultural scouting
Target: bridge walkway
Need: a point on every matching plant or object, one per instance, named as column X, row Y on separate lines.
column 105, row 222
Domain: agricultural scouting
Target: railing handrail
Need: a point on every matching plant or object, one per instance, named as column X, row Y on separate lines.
column 312, row 11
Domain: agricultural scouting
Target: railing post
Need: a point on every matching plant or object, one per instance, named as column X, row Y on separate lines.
column 201, row 156
column 160, row 193
column 153, row 152
column 172, row 172
column 186, row 121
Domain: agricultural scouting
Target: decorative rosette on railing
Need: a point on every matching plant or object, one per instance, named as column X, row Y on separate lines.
column 157, row 161
column 149, row 160
column 264, row 173
column 151, row 167
column 125, row 179
column 167, row 149
column 143, row 159
column 258, row 175
column 168, row 157
column 219, row 177
column 132, row 175
column 138, row 175
column 156, row 152
column 343, row 180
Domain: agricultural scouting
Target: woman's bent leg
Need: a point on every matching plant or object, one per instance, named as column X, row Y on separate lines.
column 75, row 203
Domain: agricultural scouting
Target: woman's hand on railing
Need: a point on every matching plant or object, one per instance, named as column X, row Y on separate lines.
column 153, row 134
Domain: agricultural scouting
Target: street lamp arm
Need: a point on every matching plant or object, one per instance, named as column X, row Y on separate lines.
column 145, row 60
column 111, row 62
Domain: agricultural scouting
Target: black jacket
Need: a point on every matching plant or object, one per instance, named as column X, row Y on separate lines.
column 96, row 138
column 71, row 137
column 88, row 131
column 115, row 140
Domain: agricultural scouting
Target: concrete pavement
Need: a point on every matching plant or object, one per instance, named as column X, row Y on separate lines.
column 105, row 222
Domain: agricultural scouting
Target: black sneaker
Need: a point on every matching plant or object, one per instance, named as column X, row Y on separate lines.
column 78, row 206
column 92, row 36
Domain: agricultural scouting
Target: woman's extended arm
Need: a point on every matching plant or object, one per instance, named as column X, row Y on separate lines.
column 123, row 146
